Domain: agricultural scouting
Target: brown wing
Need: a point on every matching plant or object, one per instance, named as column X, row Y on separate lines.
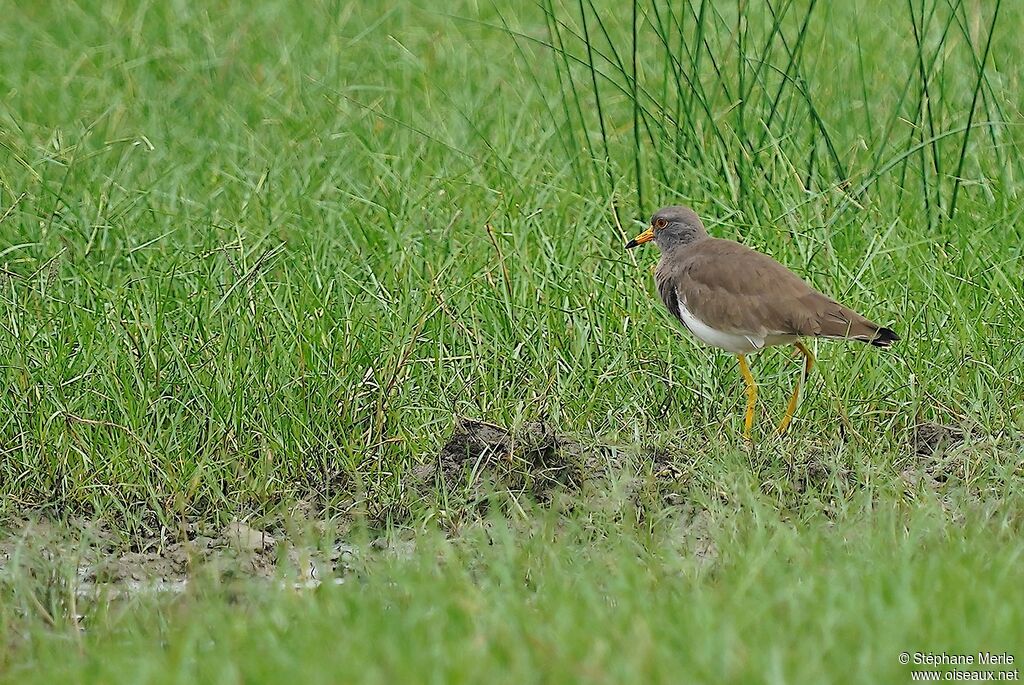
column 732, row 288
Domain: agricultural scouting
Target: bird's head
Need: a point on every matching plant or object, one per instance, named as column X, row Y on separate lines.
column 671, row 227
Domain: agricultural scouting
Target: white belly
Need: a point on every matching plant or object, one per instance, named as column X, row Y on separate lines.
column 737, row 343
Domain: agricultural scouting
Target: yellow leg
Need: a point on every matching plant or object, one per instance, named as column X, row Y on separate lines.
column 748, row 378
column 808, row 365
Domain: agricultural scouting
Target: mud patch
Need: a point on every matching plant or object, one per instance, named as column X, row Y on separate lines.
column 668, row 483
column 87, row 560
column 938, row 458
column 481, row 457
column 816, row 473
column 666, row 468
column 929, row 439
column 695, row 535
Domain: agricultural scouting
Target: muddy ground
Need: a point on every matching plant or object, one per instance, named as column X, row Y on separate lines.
column 477, row 460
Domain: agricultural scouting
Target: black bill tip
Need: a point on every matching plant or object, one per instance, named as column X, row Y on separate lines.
column 631, row 244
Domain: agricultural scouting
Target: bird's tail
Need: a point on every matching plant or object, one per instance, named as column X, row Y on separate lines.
column 848, row 324
column 884, row 337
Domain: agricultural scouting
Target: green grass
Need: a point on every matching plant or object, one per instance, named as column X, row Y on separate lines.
column 599, row 599
column 252, row 254
column 247, row 258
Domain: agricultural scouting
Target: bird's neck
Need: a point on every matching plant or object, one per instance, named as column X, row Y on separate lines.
column 682, row 245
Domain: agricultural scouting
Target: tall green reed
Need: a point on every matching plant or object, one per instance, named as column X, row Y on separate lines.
column 782, row 98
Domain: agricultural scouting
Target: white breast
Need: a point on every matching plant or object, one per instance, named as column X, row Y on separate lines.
column 736, row 343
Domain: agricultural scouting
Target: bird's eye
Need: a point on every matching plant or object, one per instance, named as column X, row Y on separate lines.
column 660, row 223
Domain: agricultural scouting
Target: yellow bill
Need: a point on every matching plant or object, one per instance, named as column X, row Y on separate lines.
column 645, row 237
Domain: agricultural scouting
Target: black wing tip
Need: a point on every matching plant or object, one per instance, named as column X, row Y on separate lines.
column 885, row 337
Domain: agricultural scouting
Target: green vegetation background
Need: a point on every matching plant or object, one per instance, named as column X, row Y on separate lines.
column 252, row 253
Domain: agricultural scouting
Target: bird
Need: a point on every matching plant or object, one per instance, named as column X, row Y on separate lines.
column 737, row 299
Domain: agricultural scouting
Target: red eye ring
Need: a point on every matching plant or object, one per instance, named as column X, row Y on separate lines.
column 660, row 223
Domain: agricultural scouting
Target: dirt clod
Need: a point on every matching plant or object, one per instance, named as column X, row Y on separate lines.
column 481, row 455
column 931, row 438
column 937, row 461
column 247, row 539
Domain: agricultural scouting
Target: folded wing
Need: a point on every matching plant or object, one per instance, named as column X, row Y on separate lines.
column 732, row 288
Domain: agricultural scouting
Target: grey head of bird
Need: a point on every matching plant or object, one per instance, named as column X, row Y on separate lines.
column 671, row 227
